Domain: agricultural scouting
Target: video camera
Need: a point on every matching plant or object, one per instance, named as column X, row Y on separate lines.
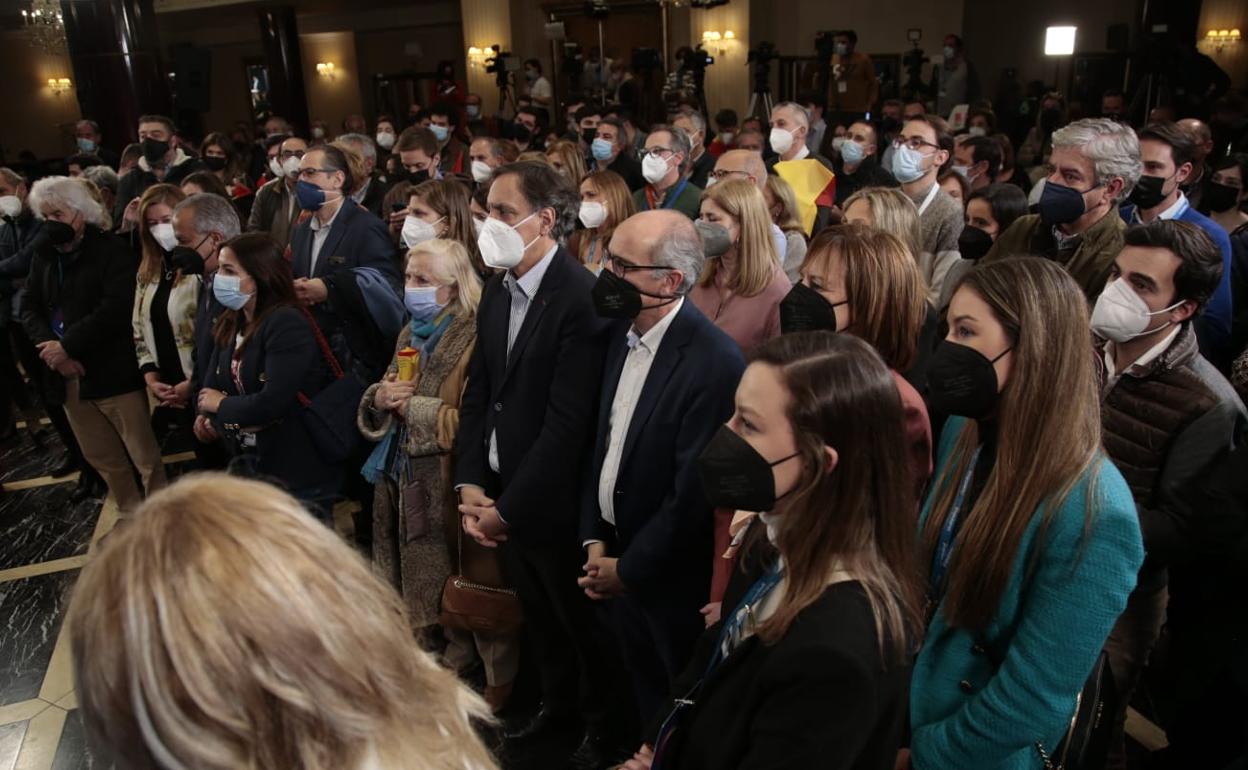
column 501, row 63
column 913, row 60
column 763, row 54
column 698, row 60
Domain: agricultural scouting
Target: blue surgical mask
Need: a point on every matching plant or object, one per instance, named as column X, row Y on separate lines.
column 441, row 132
column 908, row 164
column 422, row 302
column 226, row 289
column 86, row 145
column 602, row 149
column 852, row 152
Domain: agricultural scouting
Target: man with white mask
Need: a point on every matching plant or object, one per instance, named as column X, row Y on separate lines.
column 275, row 209
column 665, row 165
column 525, row 427
column 1168, row 418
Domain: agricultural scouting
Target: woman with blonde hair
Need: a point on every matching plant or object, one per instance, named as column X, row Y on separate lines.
column 211, row 634
column 605, row 203
column 890, row 210
column 863, row 282
column 567, row 159
column 782, row 206
column 165, row 304
column 1029, row 535
column 442, row 208
column 743, row 283
column 417, row 541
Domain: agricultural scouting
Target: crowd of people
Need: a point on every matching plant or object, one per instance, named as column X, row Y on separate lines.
column 787, row 442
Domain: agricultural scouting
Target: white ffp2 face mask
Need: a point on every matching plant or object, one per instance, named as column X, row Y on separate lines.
column 781, row 140
column 10, row 206
column 654, row 168
column 163, row 234
column 481, row 171
column 417, row 230
column 502, row 248
column 593, row 214
column 1121, row 315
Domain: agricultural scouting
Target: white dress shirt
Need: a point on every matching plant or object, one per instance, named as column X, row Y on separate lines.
column 1153, row 353
column 1173, row 211
column 319, row 233
column 522, row 291
column 641, row 353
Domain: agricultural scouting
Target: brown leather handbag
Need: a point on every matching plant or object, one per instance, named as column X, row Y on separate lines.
column 471, row 606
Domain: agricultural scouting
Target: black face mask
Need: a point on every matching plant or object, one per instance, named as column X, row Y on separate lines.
column 588, row 135
column 961, row 381
column 1149, row 192
column 615, row 297
column 974, row 243
column 521, row 133
column 1059, row 204
column 735, row 476
column 805, row 310
column 890, row 125
column 188, row 259
column 154, row 151
column 214, row 163
column 418, row 177
column 59, row 233
column 1220, row 197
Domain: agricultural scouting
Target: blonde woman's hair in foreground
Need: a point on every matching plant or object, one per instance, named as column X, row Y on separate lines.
column 225, row 628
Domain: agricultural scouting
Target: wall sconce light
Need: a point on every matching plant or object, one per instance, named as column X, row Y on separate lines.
column 1221, row 38
column 325, row 69
column 719, row 39
column 477, row 56
column 59, row 85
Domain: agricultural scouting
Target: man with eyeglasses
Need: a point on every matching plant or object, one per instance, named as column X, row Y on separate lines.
column 922, row 150
column 645, row 524
column 275, row 210
column 665, row 166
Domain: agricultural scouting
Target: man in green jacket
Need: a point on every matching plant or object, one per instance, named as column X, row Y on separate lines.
column 665, row 165
column 1095, row 164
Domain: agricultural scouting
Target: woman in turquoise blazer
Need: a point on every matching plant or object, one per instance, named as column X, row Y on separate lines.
column 1029, row 534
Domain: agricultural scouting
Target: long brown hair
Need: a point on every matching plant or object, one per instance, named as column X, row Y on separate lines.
column 153, row 257
column 1048, row 429
column 453, row 200
column 757, row 260
column 616, row 199
column 209, row 635
column 860, row 516
column 886, row 293
column 262, row 258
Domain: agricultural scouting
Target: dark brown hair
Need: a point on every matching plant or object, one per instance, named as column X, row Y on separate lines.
column 263, row 259
column 1200, row 268
column 860, row 516
column 417, row 138
column 1182, row 145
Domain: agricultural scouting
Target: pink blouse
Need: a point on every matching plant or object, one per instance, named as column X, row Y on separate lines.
column 750, row 321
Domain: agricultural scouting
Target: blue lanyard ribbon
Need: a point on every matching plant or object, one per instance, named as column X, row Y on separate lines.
column 944, row 546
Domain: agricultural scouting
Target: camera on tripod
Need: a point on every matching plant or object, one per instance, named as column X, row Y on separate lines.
column 913, row 61
column 698, row 60
column 501, row 63
column 762, row 54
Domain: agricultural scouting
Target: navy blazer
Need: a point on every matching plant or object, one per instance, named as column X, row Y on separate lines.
column 280, row 361
column 206, row 314
column 541, row 401
column 357, row 239
column 663, row 529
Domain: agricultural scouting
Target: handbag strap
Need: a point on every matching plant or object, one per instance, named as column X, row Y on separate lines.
column 326, row 353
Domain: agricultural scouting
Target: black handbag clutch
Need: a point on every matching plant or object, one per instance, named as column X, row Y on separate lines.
column 329, row 416
column 1086, row 744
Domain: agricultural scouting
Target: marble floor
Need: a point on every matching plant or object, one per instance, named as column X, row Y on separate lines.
column 44, row 541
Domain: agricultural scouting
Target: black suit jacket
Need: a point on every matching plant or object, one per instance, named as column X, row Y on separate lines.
column 356, row 239
column 541, row 400
column 820, row 697
column 375, row 197
column 663, row 524
column 280, row 361
column 207, row 311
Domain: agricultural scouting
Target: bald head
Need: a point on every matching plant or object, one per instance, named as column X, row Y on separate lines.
column 1201, row 136
column 663, row 238
column 743, row 163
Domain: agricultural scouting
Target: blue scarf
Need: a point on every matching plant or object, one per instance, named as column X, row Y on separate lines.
column 385, row 459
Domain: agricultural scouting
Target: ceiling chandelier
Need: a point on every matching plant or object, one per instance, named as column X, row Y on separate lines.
column 44, row 26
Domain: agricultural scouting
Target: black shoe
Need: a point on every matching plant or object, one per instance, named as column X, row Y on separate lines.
column 68, row 466
column 596, row 752
column 543, row 724
column 89, row 487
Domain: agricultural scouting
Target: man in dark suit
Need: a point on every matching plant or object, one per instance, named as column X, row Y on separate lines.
column 525, row 427
column 345, row 266
column 669, row 383
column 370, row 192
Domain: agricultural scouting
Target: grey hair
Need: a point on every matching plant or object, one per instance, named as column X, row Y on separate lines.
column 545, row 188
column 1112, row 147
column 680, row 143
column 697, row 119
column 211, row 214
column 365, row 145
column 95, row 127
column 65, row 192
column 682, row 249
column 103, row 177
column 798, row 109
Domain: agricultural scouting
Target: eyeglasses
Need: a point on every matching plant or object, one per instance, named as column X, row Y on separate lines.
column 915, row 143
column 656, row 151
column 307, row 173
column 721, row 174
column 620, row 266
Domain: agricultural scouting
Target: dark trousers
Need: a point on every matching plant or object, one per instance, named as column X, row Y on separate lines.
column 563, row 633
column 12, row 386
column 51, row 390
column 655, row 640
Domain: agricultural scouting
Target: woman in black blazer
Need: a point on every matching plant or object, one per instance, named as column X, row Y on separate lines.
column 265, row 364
column 812, row 667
